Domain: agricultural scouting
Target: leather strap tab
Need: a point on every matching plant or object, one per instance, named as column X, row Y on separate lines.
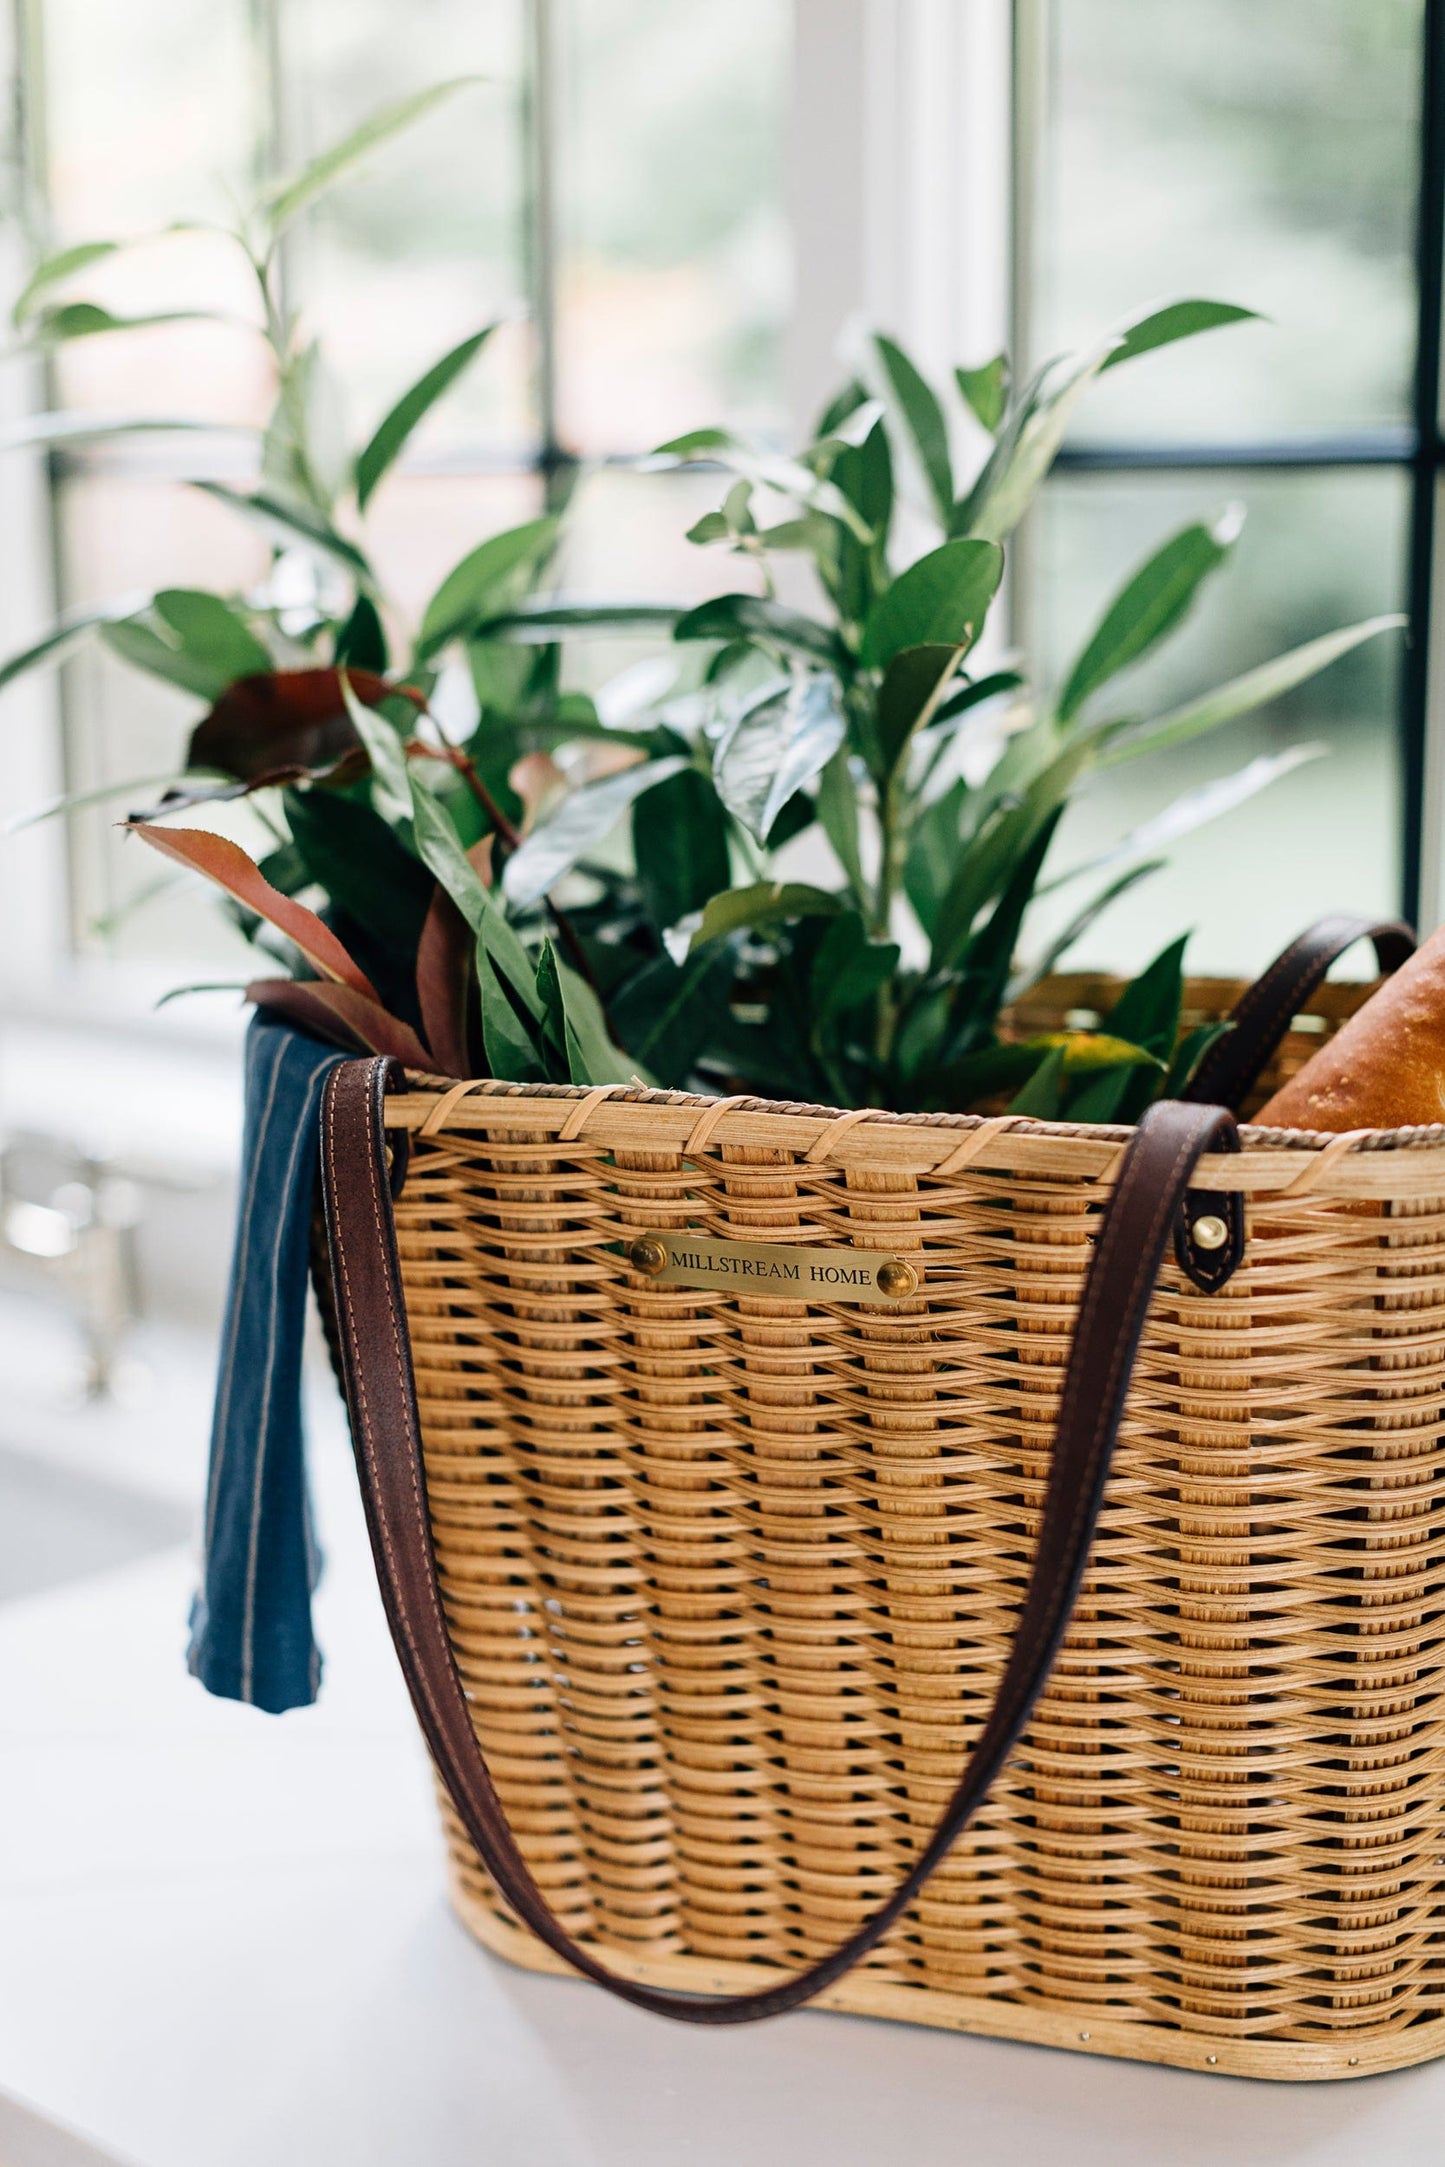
column 1261, row 1017
column 381, row 1396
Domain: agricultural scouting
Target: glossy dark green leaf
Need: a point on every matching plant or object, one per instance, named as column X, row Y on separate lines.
column 1042, row 1097
column 985, row 390
column 1147, row 1015
column 1150, row 604
column 987, row 962
column 361, row 641
column 353, row 854
column 1180, row 320
column 839, row 407
column 1188, row 1054
column 913, row 686
column 923, row 418
column 665, row 1015
column 754, row 617
column 679, row 845
column 933, row 854
column 941, row 600
column 776, row 747
column 998, row 849
column 837, row 812
column 146, row 649
column 391, row 434
column 849, row 968
column 483, row 584
column 575, row 1028
column 538, row 624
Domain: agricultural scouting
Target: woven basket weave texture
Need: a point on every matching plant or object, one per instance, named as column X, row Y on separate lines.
column 731, row 1579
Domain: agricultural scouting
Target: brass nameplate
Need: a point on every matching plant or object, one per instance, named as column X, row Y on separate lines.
column 779, row 1269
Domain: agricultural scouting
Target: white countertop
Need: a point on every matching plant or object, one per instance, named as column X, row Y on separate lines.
column 224, row 1943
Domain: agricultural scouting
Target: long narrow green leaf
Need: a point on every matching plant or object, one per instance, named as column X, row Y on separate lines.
column 485, row 579
column 768, row 902
column 538, row 624
column 290, row 522
column 923, row 418
column 583, row 819
column 286, row 199
column 391, row 434
column 1242, row 695
column 1151, row 602
column 64, row 636
column 52, row 270
column 37, row 430
column 1180, row 320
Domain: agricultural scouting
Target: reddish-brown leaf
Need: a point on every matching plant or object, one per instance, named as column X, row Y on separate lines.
column 285, row 718
column 343, row 1016
column 444, row 982
column 225, row 863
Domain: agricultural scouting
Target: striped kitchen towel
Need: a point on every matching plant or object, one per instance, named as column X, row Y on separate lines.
column 251, row 1636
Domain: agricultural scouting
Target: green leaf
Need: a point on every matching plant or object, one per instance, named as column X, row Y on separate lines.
column 286, row 199
column 941, row 600
column 837, row 812
column 290, row 522
column 37, row 430
column 1242, row 695
column 481, row 584
column 1042, row 1096
column 511, row 1037
column 391, row 433
column 913, row 686
column 767, row 902
column 679, row 846
column 666, row 1015
column 361, row 641
column 52, row 270
column 64, row 636
column 1150, row 604
column 146, row 649
column 538, row 624
column 997, row 850
column 592, row 1057
column 391, row 782
column 87, row 320
column 1180, row 320
column 776, row 746
column 985, row 390
column 350, row 851
column 1189, row 1053
column 766, row 470
column 214, row 633
column 753, row 617
column 1208, row 801
column 1147, row 1011
column 988, row 958
column 1078, row 926
column 932, row 862
column 924, row 420
column 849, row 968
column 1026, row 445
column 580, row 821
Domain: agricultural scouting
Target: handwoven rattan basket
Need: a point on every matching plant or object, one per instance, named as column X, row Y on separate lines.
column 729, row 1579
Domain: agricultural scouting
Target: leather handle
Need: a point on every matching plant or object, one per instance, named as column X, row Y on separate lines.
column 381, row 1396
column 1235, row 1063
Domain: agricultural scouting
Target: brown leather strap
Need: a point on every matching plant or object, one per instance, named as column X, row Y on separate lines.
column 1235, row 1063
column 381, row 1395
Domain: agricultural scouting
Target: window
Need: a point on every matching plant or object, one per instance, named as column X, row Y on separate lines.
column 679, row 206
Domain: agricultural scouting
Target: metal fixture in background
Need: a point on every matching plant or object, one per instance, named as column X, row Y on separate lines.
column 69, row 1221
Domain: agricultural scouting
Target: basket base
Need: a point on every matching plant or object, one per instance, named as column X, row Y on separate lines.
column 1080, row 2029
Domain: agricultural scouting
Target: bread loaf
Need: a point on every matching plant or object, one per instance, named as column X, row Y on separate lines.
column 1386, row 1068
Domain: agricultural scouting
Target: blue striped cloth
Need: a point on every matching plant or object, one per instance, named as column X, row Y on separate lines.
column 251, row 1637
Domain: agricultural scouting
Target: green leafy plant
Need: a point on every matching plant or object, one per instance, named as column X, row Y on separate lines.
column 487, row 910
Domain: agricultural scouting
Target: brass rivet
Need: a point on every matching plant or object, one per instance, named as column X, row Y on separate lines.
column 647, row 1254
column 897, row 1280
column 1209, row 1231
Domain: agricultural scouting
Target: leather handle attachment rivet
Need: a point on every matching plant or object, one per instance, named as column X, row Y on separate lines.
column 1209, row 1231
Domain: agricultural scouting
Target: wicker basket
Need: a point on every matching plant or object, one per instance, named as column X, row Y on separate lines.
column 730, row 1579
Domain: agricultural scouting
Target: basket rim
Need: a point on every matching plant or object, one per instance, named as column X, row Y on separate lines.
column 1380, row 1163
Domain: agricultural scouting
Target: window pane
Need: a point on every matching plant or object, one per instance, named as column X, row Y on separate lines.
column 1318, row 550
column 150, row 118
column 1258, row 154
column 424, row 244
column 675, row 272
